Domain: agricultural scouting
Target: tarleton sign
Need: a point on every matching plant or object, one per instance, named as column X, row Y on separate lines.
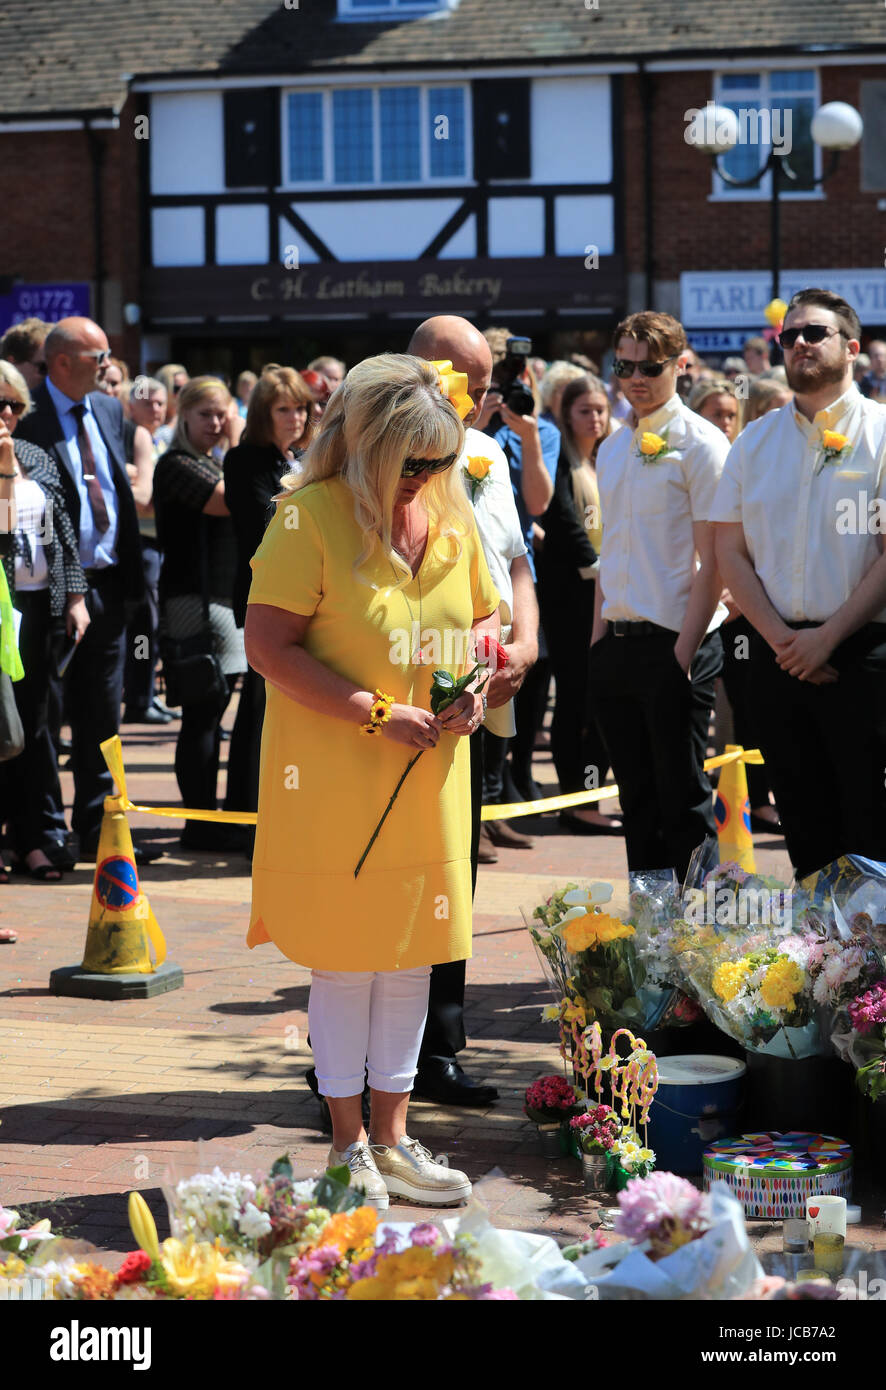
column 546, row 282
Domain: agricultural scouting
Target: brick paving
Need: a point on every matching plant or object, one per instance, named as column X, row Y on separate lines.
column 102, row 1097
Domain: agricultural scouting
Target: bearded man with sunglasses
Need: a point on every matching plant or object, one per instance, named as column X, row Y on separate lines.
column 800, row 513
column 655, row 652
column 81, row 429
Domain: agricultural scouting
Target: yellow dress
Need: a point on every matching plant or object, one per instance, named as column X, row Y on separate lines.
column 324, row 785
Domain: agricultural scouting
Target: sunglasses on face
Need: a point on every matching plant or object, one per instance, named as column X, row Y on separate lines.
column 811, row 333
column 100, row 354
column 412, row 467
column 17, row 407
column 623, row 367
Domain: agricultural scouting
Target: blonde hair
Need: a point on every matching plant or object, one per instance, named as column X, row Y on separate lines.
column 13, row 377
column 557, row 378
column 582, row 476
column 762, row 394
column 389, row 408
column 719, row 386
column 191, row 394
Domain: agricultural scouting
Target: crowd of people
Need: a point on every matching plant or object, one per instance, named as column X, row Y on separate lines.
column 635, row 535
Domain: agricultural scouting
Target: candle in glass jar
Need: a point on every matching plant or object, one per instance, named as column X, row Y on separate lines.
column 828, row 1250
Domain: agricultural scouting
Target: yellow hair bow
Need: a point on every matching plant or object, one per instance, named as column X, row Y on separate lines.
column 454, row 386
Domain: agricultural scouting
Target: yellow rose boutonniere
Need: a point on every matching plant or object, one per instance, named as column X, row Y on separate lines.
column 834, row 448
column 652, row 447
column 478, row 469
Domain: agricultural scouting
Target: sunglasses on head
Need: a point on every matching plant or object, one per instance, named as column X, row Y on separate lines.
column 17, row 407
column 623, row 367
column 412, row 467
column 811, row 333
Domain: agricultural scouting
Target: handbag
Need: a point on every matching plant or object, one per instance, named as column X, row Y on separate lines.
column 192, row 670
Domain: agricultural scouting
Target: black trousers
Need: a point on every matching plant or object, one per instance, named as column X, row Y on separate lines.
column 445, row 1028
column 577, row 745
column 30, row 794
column 655, row 723
column 244, row 750
column 141, row 647
column 738, row 680
column 93, row 694
column 197, row 750
column 825, row 749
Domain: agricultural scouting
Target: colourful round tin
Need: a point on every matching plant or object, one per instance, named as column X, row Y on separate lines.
column 772, row 1174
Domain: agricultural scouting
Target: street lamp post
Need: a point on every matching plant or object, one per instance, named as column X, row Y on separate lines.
column 836, row 126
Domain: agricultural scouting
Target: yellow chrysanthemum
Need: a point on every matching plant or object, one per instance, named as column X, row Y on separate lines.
column 94, row 1281
column 479, row 467
column 729, row 979
column 833, row 440
column 782, row 981
column 651, row 443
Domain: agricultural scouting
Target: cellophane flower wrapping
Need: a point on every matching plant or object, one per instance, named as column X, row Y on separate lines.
column 592, row 963
column 718, row 1264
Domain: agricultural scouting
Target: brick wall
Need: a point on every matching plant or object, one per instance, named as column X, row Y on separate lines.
column 692, row 233
column 48, row 227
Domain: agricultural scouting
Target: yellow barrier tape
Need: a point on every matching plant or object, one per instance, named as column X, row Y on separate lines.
column 112, row 750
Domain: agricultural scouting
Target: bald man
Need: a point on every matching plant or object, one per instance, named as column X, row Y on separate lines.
column 448, row 338
column 81, row 428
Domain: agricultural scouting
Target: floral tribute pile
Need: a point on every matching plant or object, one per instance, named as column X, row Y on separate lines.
column 237, row 1239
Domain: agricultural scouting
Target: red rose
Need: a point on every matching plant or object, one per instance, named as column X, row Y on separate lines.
column 134, row 1268
column 490, row 652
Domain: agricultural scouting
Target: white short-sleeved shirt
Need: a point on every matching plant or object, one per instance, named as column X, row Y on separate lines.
column 648, row 558
column 810, row 528
column 498, row 523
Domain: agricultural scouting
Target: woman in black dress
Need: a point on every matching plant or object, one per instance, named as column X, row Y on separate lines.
column 278, row 428
column 567, row 567
column 196, row 536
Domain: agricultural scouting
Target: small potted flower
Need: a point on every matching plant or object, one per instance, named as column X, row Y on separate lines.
column 628, row 1158
column 597, row 1130
column 549, row 1101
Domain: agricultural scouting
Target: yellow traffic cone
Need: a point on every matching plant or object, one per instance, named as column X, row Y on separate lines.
column 122, row 927
column 732, row 813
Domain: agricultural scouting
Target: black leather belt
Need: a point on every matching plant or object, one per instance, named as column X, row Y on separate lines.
column 622, row 628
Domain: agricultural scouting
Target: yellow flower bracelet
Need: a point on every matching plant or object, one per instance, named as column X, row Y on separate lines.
column 379, row 713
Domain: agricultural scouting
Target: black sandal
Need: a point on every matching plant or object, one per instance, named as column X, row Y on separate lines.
column 43, row 873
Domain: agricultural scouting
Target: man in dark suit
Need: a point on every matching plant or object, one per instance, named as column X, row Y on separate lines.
column 81, row 429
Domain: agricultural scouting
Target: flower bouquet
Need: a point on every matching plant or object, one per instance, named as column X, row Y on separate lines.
column 587, row 955
column 680, row 1244
column 596, row 1132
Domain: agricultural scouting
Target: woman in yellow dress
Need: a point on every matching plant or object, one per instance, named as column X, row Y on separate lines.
column 370, row 575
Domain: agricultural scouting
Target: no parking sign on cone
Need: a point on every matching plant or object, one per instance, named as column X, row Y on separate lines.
column 122, row 929
column 732, row 810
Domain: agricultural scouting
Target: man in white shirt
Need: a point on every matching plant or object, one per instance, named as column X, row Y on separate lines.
column 453, row 339
column 800, row 512
column 654, row 652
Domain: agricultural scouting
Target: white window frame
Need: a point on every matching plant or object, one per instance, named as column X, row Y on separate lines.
column 762, row 192
column 385, row 9
column 425, row 179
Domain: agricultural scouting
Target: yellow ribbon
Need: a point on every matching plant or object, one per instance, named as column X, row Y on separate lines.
column 558, row 803
column 454, row 386
column 112, row 751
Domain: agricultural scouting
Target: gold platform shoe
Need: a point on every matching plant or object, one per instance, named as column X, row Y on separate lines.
column 408, row 1170
column 360, row 1161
